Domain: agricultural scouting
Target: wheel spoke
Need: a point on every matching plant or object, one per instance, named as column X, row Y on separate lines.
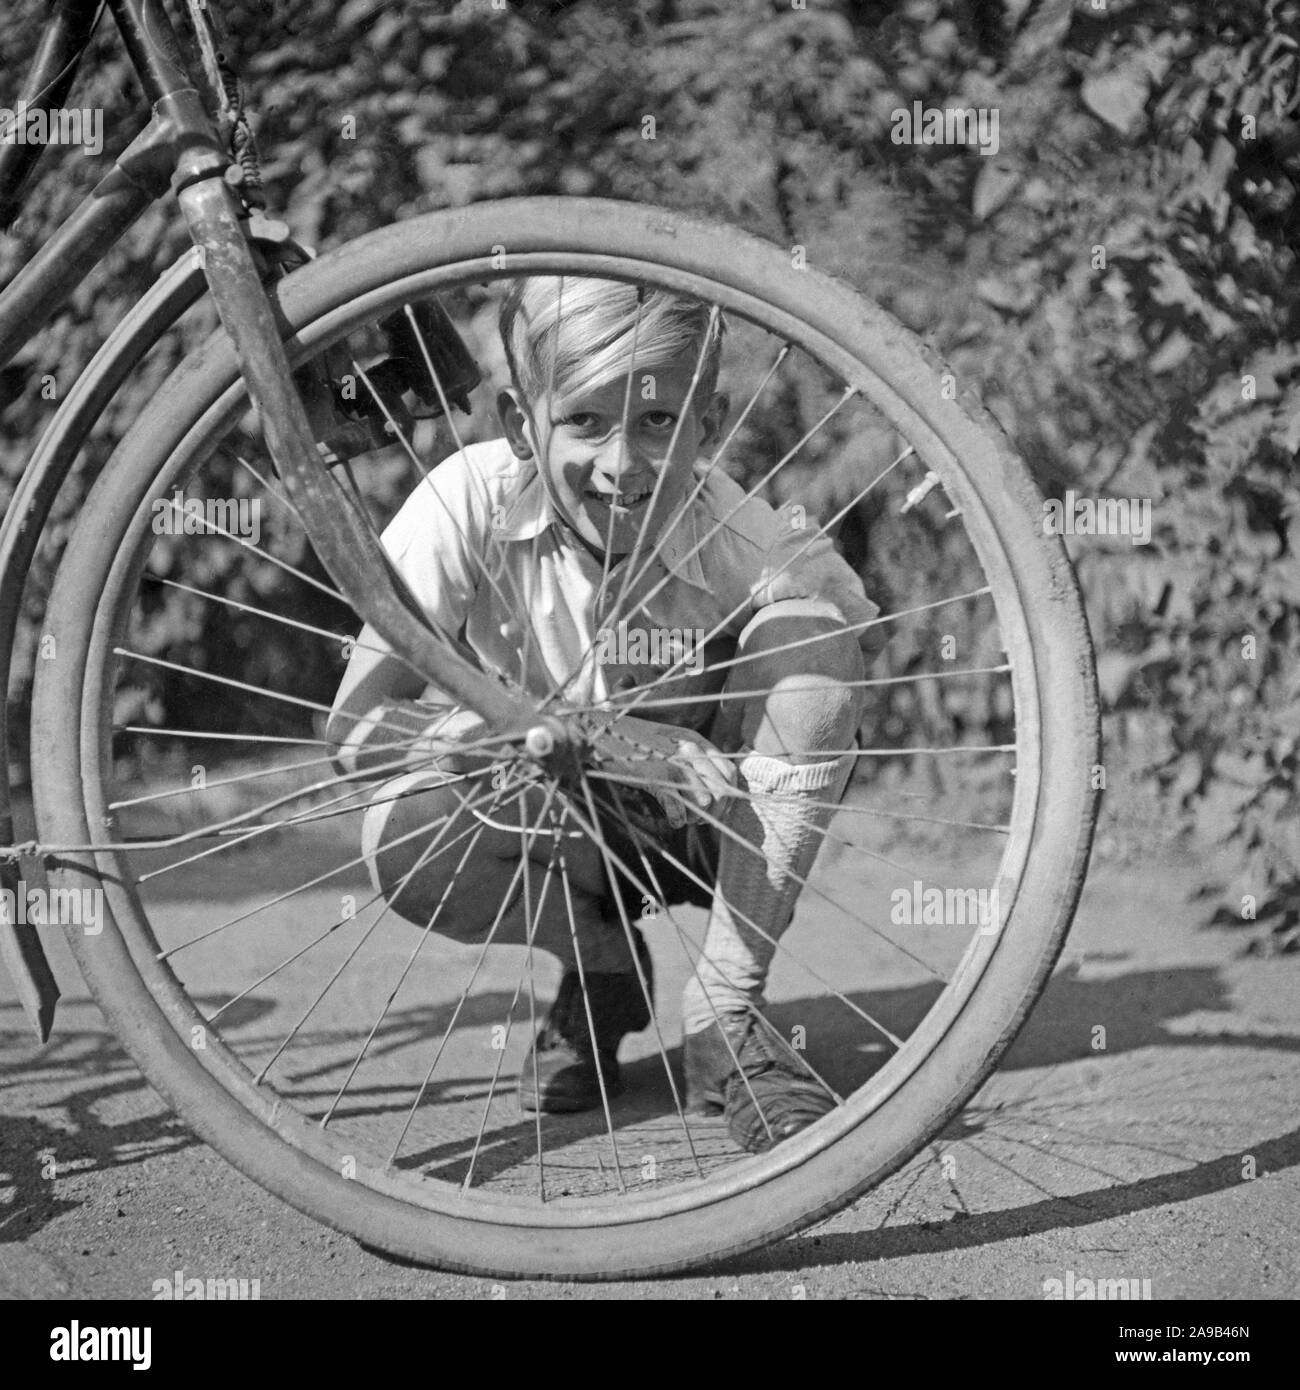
column 755, row 489
column 304, row 1008
column 622, row 440
column 247, row 687
column 641, row 979
column 848, row 629
column 905, row 751
column 355, row 862
column 821, row 531
column 846, row 808
column 719, row 525
column 715, row 463
column 519, row 604
column 232, row 823
column 795, row 1056
column 706, row 341
column 270, row 489
column 678, row 864
column 671, row 701
column 806, row 887
column 205, row 734
column 275, row 770
column 660, row 896
column 218, row 530
column 409, row 735
column 525, row 845
column 370, row 930
column 425, row 933
column 586, row 1005
column 506, row 898
column 533, row 923
column 216, row 784
column 341, row 638
column 615, row 781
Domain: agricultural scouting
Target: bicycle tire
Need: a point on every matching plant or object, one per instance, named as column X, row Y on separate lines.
column 804, row 1181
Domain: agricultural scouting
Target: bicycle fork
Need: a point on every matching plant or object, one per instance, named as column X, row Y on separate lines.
column 336, row 524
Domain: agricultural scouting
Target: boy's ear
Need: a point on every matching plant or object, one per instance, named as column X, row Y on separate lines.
column 514, row 421
column 712, row 420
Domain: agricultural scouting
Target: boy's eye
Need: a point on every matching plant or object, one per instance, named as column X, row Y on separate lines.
column 659, row 419
column 583, row 420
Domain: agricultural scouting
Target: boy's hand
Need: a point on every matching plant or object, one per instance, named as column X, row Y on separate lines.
column 686, row 772
column 443, row 736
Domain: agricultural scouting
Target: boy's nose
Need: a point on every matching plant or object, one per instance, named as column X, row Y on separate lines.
column 618, row 456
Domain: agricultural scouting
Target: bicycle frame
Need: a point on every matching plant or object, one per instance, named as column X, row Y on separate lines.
column 181, row 148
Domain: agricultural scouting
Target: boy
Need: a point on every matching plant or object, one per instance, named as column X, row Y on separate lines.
column 521, row 547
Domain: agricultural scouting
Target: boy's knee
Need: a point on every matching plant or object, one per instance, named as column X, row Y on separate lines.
column 805, row 672
column 404, row 818
column 823, row 646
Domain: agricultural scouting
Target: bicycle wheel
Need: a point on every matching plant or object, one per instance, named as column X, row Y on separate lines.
column 360, row 1066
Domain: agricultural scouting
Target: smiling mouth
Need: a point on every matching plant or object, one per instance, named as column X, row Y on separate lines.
column 620, row 501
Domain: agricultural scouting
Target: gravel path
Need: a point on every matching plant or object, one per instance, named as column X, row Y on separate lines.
column 1130, row 1162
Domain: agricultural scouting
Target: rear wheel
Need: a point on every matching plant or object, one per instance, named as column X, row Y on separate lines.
column 363, row 1068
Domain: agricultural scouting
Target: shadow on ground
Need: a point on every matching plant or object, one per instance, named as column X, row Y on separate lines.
column 1034, row 1218
column 83, row 1069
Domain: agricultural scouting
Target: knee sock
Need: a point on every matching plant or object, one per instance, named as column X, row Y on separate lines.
column 781, row 822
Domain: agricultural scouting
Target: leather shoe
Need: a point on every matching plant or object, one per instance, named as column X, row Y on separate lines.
column 560, row 1073
column 744, row 1076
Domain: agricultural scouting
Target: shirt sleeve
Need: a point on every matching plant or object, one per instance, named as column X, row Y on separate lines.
column 436, row 539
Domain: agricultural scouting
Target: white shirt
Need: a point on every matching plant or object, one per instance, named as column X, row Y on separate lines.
column 486, row 556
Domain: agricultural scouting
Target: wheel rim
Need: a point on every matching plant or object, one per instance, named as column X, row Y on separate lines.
column 748, row 1172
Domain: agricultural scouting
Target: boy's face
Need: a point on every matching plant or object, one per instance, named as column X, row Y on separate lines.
column 602, row 477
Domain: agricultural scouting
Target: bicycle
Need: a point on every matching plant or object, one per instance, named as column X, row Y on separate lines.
column 355, row 356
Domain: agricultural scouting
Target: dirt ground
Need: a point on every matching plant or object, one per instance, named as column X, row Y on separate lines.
column 1173, row 1155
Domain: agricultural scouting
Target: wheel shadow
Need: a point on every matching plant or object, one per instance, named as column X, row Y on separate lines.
column 1138, row 1009
column 88, row 1072
column 964, row 1231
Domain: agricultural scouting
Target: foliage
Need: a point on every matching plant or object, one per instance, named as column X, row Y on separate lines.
column 1118, row 281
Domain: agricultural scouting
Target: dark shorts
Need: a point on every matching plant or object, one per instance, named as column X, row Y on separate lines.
column 693, row 846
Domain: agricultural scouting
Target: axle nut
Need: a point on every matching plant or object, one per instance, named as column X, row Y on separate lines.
column 539, row 741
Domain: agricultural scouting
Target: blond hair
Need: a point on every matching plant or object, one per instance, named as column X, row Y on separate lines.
column 575, row 333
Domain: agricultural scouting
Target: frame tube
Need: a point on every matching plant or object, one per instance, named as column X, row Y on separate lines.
column 53, row 69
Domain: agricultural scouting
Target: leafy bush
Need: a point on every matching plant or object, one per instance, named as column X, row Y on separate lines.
column 1117, row 281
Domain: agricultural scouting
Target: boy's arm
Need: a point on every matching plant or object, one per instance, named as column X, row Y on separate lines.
column 383, row 708
column 383, row 711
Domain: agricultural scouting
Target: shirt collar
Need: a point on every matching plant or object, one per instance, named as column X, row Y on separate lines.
column 531, row 512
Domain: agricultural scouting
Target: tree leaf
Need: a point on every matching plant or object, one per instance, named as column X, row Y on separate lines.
column 1119, row 98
